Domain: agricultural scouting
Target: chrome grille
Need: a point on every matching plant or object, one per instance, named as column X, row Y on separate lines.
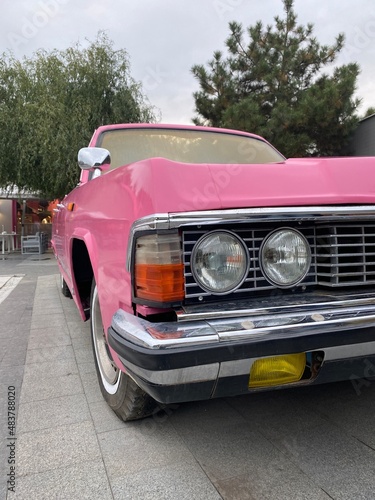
column 343, row 255
column 255, row 280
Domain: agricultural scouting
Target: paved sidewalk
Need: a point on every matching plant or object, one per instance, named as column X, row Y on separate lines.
column 16, row 307
column 315, row 443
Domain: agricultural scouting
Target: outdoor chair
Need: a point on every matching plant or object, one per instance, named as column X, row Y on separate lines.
column 34, row 244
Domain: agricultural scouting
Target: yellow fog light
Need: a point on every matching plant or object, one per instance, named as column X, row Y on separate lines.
column 277, row 370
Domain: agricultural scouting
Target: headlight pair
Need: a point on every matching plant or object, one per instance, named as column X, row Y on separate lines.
column 220, row 260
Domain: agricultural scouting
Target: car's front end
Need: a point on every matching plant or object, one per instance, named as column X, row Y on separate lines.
column 228, row 302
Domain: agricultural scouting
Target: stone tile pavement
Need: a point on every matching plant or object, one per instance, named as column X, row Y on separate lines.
column 311, row 443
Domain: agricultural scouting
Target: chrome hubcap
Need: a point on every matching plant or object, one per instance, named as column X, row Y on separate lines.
column 110, row 374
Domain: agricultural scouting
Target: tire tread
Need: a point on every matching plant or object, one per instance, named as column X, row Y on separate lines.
column 137, row 403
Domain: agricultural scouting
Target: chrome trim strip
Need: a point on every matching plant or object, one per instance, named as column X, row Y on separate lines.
column 189, row 375
column 246, row 329
column 236, row 367
column 347, row 351
column 277, row 332
column 308, row 304
column 287, row 214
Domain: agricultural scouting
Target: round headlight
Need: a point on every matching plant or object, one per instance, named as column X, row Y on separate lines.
column 285, row 257
column 219, row 262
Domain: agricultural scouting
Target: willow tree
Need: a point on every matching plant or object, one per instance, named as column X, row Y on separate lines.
column 272, row 82
column 51, row 103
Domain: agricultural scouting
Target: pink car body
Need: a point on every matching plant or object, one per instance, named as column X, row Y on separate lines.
column 295, row 304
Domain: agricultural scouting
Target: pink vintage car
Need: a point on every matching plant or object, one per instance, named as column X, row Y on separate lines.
column 210, row 266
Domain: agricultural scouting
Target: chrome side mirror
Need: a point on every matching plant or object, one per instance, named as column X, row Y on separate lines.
column 89, row 158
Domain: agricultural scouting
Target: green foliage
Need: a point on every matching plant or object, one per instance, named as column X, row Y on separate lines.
column 50, row 106
column 369, row 111
column 272, row 84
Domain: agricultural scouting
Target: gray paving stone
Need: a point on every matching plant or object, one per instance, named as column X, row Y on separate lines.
column 67, row 303
column 140, row 446
column 46, row 292
column 49, row 354
column 56, row 368
column 84, row 368
column 168, row 483
column 52, row 412
column 42, row 451
column 91, row 387
column 14, row 331
column 14, row 355
column 47, row 287
column 51, row 387
column 338, row 463
column 47, row 309
column 11, row 375
column 225, row 452
column 204, row 414
column 367, row 396
column 49, row 333
column 104, row 418
column 50, row 307
column 355, row 419
column 25, row 318
column 275, row 409
column 84, row 354
column 280, row 483
column 48, row 339
column 13, row 314
column 78, row 328
column 51, row 322
column 8, row 345
column 81, row 342
column 44, row 306
column 86, row 481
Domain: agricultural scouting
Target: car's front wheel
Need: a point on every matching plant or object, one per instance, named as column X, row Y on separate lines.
column 122, row 394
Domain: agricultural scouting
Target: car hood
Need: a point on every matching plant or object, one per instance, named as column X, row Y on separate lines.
column 160, row 186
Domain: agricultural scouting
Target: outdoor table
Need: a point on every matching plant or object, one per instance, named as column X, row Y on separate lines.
column 8, row 239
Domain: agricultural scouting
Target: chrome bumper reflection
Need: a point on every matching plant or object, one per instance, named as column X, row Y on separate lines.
column 250, row 324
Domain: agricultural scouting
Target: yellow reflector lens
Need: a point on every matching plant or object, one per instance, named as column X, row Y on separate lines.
column 277, row 370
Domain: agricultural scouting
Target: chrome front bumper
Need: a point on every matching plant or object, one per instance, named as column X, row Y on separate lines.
column 208, row 345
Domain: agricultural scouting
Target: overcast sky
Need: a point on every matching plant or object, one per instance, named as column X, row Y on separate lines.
column 165, row 38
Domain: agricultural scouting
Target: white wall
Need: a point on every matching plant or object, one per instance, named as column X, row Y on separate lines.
column 6, row 216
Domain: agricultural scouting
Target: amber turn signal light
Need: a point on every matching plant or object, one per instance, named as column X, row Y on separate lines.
column 159, row 282
column 159, row 271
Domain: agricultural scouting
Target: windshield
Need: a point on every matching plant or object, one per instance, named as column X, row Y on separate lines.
column 187, row 146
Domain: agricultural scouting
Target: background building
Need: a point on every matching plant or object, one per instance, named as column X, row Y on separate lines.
column 25, row 213
column 363, row 142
